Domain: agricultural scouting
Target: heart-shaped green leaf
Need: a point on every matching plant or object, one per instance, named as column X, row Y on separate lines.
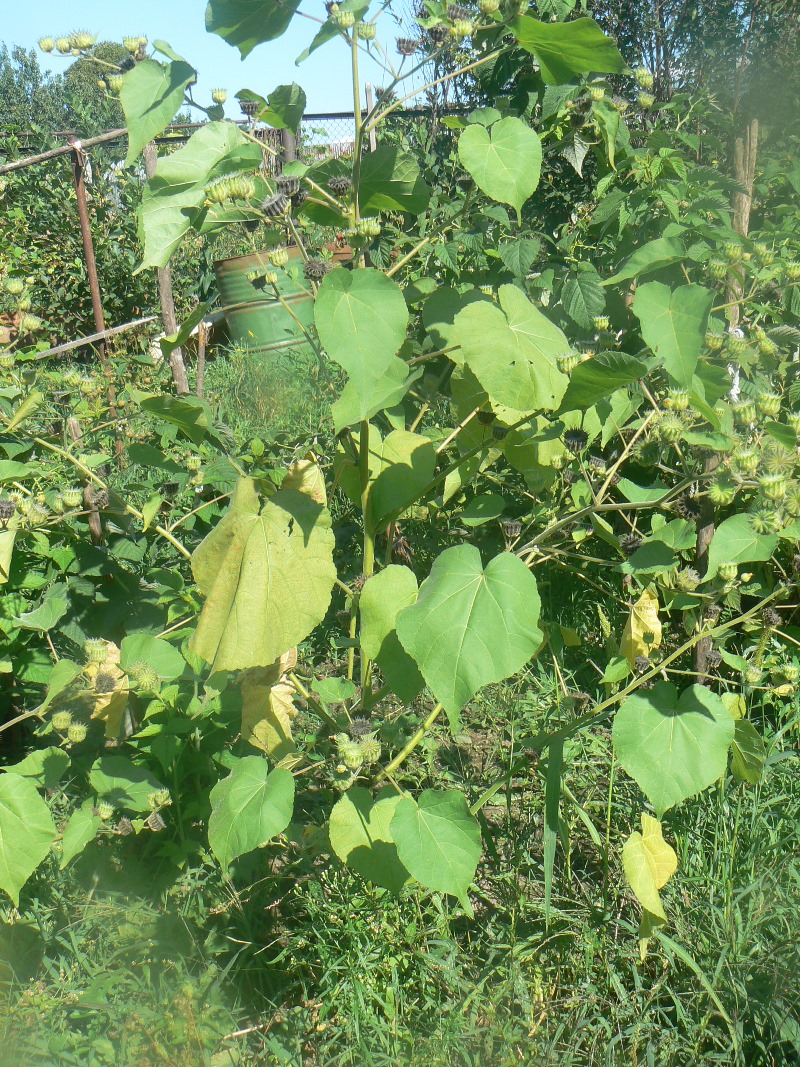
column 673, row 746
column 360, row 835
column 674, row 325
column 26, row 832
column 470, row 626
column 512, row 350
column 438, row 841
column 383, row 596
column 247, row 23
column 566, row 49
column 504, row 161
column 151, row 96
column 249, row 808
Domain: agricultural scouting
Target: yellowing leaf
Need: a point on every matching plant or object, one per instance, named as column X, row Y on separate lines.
column 642, row 631
column 649, row 862
column 305, row 476
column 267, row 708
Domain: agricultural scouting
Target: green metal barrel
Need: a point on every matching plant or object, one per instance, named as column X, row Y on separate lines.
column 255, row 318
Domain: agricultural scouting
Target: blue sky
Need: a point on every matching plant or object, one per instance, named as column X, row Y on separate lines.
column 325, row 76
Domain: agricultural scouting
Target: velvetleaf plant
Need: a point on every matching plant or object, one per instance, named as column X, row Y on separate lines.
column 623, row 415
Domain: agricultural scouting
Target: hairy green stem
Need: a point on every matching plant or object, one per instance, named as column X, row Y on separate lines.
column 403, row 755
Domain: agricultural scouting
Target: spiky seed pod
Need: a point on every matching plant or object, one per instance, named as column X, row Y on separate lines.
column 677, row 400
column 779, row 460
column 57, row 504
column 486, row 418
column 687, row 579
column 145, row 676
column 194, row 463
column 299, row 197
column 767, row 347
column 249, row 108
column 644, row 78
column 61, row 721
column 620, row 104
column 278, row 257
column 769, row 404
column 575, row 440
column 455, row 12
column 747, row 459
column 499, row 433
column 351, row 755
column 744, row 412
column 76, row 734
column 72, row 378
column 105, row 682
column 371, row 750
column 270, row 277
column 736, row 348
column 366, row 31
column 219, row 96
column 316, row 269
column 339, row 186
column 488, row 7
column 568, row 363
column 344, row 20
column 511, row 529
column 687, row 508
column 596, row 93
column 8, row 509
column 753, row 675
column 29, row 323
column 792, row 503
column 14, row 286
column 671, row 428
column 722, row 491
column 217, row 192
column 64, row 46
column 37, row 515
column 104, row 810
column 766, row 521
column 163, row 798
column 47, row 44
column 597, row 463
column 462, row 28
column 791, row 672
column 715, row 342
column 773, row 486
column 82, row 40
column 100, row 499
column 360, row 727
column 439, row 34
column 288, row 184
column 764, row 254
column 96, row 650
column 727, row 572
column 7, row 360
column 792, row 269
column 242, row 188
column 601, row 322
column 793, row 419
column 629, row 543
column 275, row 206
column 714, row 658
column 407, row 46
column 733, row 252
column 717, row 268
column 641, row 664
column 645, row 101
column 771, row 618
column 130, row 44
